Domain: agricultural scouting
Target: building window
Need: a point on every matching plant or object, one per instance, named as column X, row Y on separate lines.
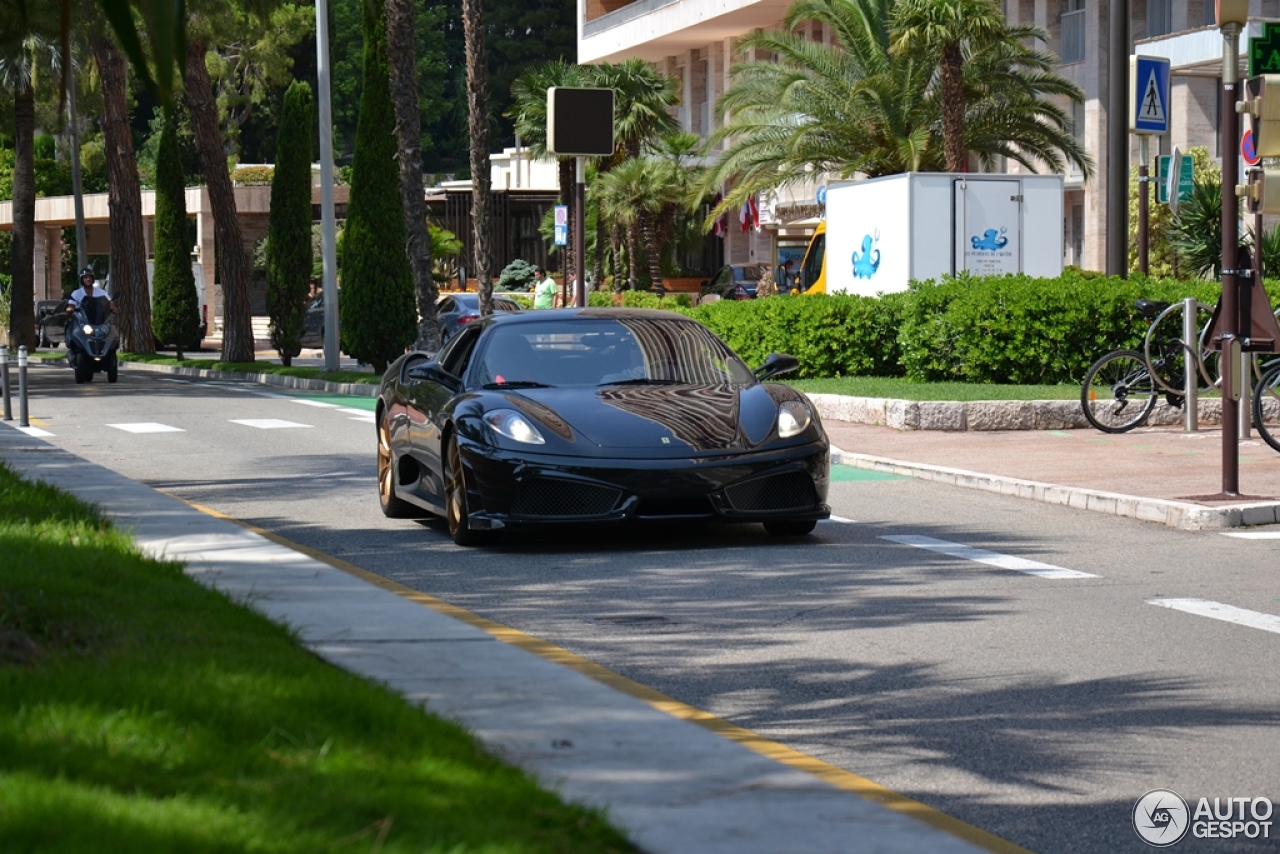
column 1077, row 133
column 1073, row 31
column 1210, row 16
column 1077, row 235
column 1159, row 17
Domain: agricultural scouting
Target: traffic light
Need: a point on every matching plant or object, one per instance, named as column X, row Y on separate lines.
column 1262, row 193
column 1262, row 113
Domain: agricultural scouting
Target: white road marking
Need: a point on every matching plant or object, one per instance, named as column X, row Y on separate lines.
column 363, row 413
column 1226, row 613
column 36, row 432
column 1020, row 564
column 320, row 403
column 172, row 380
column 147, row 427
column 1252, row 535
column 834, row 518
column 267, row 423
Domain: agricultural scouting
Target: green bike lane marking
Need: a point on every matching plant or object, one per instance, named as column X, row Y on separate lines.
column 369, row 404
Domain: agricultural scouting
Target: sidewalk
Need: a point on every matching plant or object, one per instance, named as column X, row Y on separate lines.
column 1158, row 474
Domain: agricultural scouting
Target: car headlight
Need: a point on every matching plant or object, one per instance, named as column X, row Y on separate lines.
column 793, row 418
column 513, row 425
column 88, row 330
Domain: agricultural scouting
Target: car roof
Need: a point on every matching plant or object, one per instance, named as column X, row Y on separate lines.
column 590, row 313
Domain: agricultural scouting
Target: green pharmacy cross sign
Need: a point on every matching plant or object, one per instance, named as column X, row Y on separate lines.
column 1264, row 51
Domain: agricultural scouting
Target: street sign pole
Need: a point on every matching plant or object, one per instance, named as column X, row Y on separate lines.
column 1148, row 116
column 1230, row 306
column 1144, row 208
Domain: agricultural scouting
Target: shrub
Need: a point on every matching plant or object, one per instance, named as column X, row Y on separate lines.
column 289, row 248
column 519, row 275
column 1019, row 329
column 175, row 313
column 250, row 175
column 379, row 317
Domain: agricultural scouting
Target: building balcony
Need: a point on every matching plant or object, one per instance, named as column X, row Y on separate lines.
column 609, row 31
column 1198, row 52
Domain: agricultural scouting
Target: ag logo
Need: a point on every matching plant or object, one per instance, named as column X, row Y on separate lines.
column 1161, row 818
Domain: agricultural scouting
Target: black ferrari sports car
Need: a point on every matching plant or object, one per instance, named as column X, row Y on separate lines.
column 585, row 416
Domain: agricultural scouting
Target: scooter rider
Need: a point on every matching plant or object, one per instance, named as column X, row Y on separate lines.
column 95, row 302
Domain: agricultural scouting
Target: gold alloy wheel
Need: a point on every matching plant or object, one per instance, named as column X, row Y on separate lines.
column 386, row 487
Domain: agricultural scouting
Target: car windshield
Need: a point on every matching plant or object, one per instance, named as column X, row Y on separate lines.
column 599, row 351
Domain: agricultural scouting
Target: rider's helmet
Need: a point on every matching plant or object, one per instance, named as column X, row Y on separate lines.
column 88, row 273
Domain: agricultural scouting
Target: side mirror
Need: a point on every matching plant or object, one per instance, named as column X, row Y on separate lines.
column 775, row 365
column 432, row 372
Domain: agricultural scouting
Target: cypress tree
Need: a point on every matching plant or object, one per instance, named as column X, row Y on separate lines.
column 379, row 319
column 175, row 311
column 289, row 224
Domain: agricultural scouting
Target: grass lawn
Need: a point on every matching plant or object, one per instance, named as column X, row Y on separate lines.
column 901, row 389
column 140, row 711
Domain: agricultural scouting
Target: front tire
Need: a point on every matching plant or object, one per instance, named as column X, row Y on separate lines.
column 112, row 364
column 455, row 497
column 392, row 507
column 791, row 527
column 84, row 370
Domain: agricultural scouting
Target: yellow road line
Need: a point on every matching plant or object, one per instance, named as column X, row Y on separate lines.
column 831, row 774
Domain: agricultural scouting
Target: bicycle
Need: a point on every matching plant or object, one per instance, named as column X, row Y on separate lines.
column 1266, row 403
column 1122, row 388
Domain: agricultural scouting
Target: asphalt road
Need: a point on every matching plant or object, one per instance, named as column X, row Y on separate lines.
column 1032, row 689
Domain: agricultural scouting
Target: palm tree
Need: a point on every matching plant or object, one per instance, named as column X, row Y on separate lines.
column 624, row 192
column 944, row 28
column 233, row 260
column 857, row 106
column 21, row 51
column 401, row 15
column 642, row 98
column 529, row 113
column 478, row 131
column 131, row 292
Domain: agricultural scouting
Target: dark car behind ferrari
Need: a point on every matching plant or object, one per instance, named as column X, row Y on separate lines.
column 601, row 416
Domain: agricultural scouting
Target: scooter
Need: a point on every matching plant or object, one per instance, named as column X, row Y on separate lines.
column 91, row 347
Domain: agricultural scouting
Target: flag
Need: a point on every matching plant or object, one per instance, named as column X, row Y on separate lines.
column 721, row 226
column 749, row 215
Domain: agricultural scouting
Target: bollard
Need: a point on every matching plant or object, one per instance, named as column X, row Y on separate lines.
column 1191, row 380
column 22, row 387
column 4, row 378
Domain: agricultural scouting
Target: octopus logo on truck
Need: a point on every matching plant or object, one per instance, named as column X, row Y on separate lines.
column 866, row 262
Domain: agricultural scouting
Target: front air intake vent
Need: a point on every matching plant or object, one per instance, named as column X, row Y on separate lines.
column 792, row 490
column 546, row 497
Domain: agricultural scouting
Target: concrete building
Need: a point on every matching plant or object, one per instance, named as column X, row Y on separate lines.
column 695, row 41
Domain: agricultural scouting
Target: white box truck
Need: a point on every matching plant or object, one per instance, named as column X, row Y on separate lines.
column 882, row 233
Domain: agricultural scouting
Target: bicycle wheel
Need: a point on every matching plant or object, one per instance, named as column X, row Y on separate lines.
column 1118, row 392
column 1166, row 353
column 1266, row 406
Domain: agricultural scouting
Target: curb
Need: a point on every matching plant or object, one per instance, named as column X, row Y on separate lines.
column 279, row 380
column 1183, row 515
column 954, row 416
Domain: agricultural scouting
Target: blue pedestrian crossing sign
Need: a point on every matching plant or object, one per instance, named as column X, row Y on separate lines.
column 1148, row 95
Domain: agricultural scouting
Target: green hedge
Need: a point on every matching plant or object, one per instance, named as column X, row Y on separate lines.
column 1000, row 329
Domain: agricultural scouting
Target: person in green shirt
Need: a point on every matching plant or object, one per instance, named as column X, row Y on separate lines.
column 544, row 290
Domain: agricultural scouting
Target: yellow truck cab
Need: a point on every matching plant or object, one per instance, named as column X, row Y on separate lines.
column 813, row 270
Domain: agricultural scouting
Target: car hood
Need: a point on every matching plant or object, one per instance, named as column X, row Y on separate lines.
column 655, row 420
